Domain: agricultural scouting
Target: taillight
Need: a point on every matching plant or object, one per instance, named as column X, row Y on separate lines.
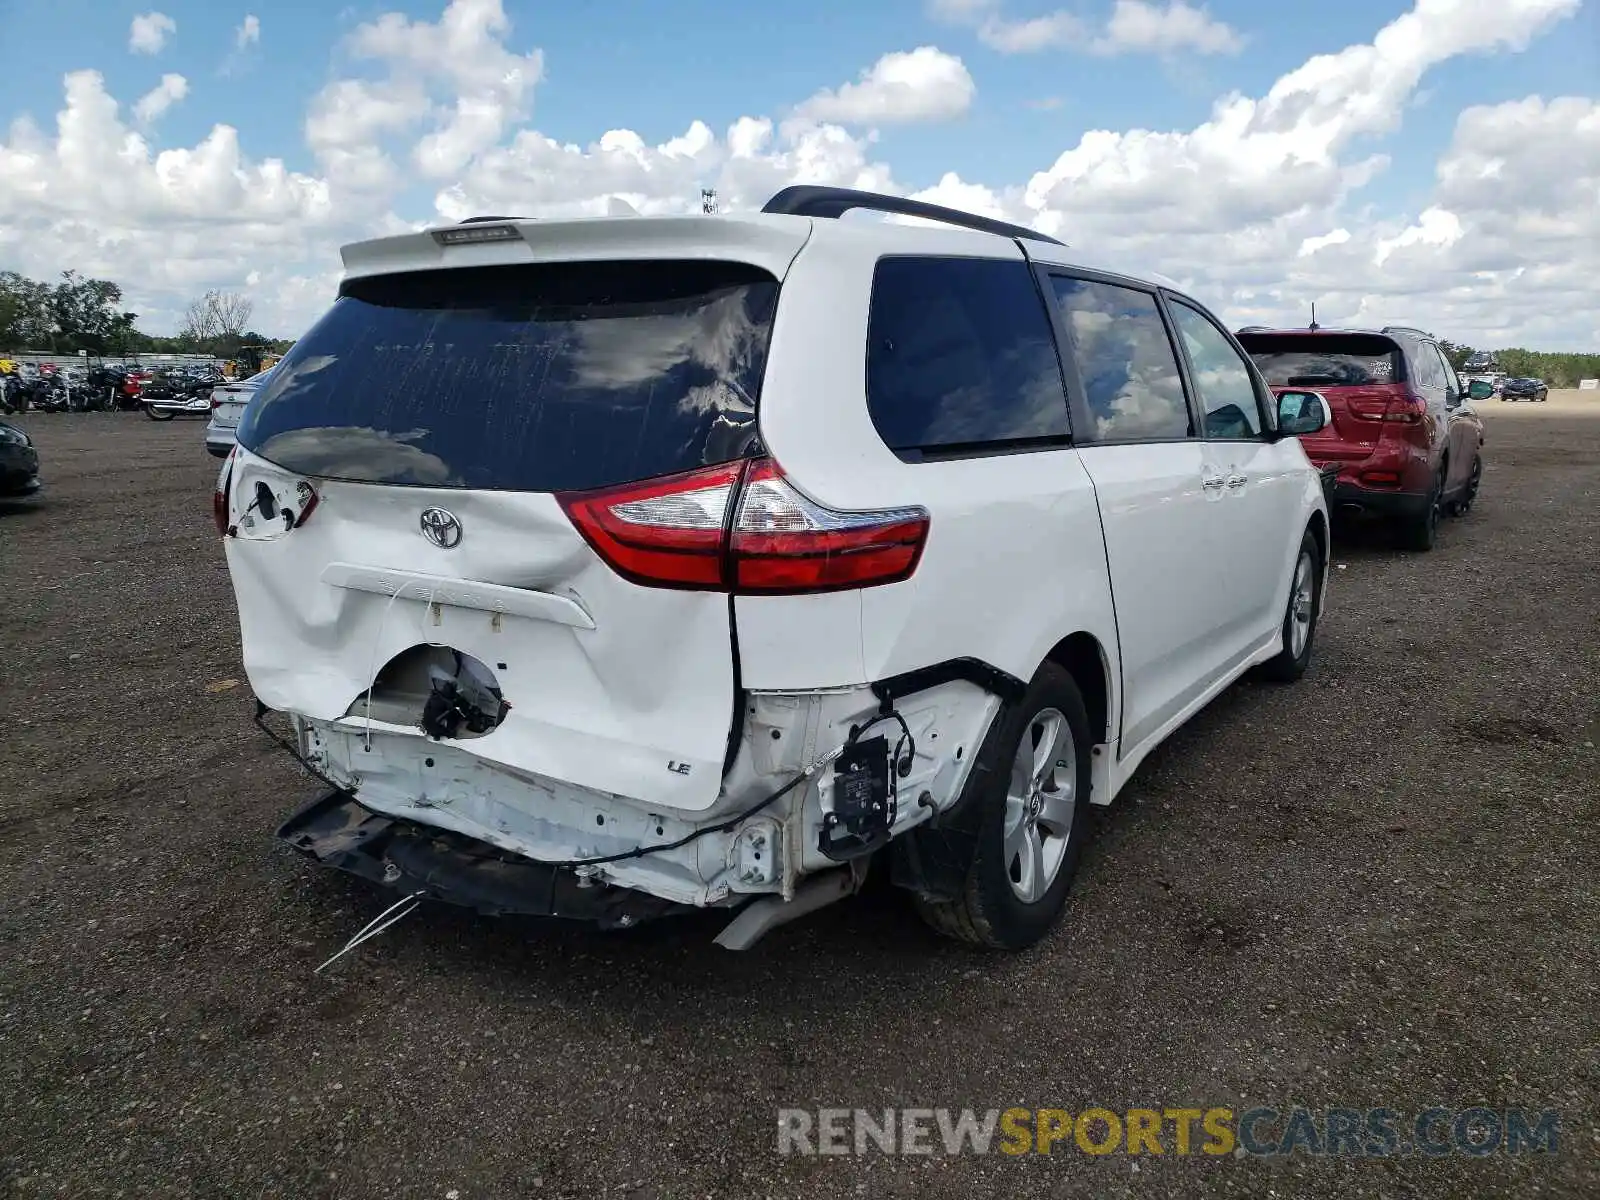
column 666, row 532
column 743, row 527
column 784, row 542
column 219, row 498
column 1404, row 409
column 1408, row 409
column 215, row 403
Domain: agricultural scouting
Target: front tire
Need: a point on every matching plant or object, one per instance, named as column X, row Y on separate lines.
column 1030, row 785
column 1300, row 616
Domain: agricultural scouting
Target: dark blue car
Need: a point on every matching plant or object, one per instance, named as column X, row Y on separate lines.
column 1524, row 389
column 19, row 463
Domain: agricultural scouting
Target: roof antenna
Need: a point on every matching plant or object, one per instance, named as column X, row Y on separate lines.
column 1314, row 324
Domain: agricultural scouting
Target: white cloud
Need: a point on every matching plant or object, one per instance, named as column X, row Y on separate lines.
column 248, row 33
column 1051, row 31
column 1435, row 227
column 1140, row 27
column 1321, row 241
column 462, row 55
column 163, row 96
column 166, row 224
column 1134, row 27
column 924, row 84
column 1259, row 207
column 149, row 32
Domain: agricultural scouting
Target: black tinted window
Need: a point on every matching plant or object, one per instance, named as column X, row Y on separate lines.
column 960, row 354
column 523, row 378
column 1130, row 372
column 1325, row 359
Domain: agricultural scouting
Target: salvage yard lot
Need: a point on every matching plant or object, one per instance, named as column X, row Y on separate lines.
column 1379, row 888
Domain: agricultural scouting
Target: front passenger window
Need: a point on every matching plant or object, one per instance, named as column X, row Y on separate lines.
column 1226, row 386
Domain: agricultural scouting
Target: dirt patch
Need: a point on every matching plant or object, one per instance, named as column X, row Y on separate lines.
column 1377, row 888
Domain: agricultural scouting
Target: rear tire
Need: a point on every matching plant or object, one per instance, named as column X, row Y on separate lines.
column 1300, row 616
column 1031, row 784
column 1421, row 532
column 151, row 412
column 1469, row 491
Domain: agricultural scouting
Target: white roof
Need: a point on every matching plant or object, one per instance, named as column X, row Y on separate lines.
column 767, row 240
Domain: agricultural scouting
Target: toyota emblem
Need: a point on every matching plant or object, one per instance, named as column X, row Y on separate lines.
column 441, row 527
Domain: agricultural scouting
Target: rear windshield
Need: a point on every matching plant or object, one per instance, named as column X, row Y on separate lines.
column 523, row 378
column 1325, row 360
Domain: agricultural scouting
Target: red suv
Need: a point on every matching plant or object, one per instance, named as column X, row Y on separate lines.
column 1404, row 436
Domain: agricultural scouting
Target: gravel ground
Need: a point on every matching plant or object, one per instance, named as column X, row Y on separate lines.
column 1374, row 889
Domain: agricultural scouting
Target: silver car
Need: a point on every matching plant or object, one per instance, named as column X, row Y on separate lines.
column 227, row 406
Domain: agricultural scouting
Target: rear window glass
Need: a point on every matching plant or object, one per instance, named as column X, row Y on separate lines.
column 1325, row 360
column 523, row 378
column 961, row 358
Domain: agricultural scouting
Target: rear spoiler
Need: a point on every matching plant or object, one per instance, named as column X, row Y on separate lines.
column 766, row 241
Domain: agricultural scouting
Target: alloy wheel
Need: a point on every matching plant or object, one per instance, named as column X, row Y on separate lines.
column 1040, row 801
column 1301, row 604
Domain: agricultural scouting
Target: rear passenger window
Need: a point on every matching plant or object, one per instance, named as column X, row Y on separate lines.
column 1428, row 373
column 1225, row 382
column 960, row 357
column 1129, row 370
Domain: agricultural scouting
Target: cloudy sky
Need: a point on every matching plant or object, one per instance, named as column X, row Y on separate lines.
column 1437, row 163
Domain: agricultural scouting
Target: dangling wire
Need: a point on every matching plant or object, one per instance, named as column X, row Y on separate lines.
column 406, row 904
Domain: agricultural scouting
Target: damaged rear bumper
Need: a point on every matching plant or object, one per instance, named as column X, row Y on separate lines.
column 455, row 869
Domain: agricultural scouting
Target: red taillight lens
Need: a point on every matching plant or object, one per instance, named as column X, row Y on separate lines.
column 665, row 532
column 215, row 403
column 1403, row 409
column 744, row 528
column 1408, row 409
column 784, row 542
column 219, row 498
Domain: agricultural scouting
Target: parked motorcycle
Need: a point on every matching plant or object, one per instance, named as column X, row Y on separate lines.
column 50, row 393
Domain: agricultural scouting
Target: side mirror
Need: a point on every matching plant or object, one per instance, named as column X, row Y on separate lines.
column 1480, row 389
column 1300, row 413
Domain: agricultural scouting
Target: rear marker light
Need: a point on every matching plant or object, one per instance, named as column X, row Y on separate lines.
column 744, row 528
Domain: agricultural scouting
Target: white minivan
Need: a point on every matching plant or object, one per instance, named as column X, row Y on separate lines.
column 617, row 567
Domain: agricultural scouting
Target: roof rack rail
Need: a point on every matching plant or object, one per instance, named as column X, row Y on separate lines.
column 1405, row 329
column 810, row 200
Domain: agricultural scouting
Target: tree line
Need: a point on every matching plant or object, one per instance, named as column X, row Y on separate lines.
column 77, row 313
column 1559, row 370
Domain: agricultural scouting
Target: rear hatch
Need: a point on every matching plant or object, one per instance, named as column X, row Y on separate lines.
column 424, row 436
column 1359, row 373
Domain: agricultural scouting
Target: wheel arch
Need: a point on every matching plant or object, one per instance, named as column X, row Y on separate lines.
column 1318, row 528
column 1083, row 657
